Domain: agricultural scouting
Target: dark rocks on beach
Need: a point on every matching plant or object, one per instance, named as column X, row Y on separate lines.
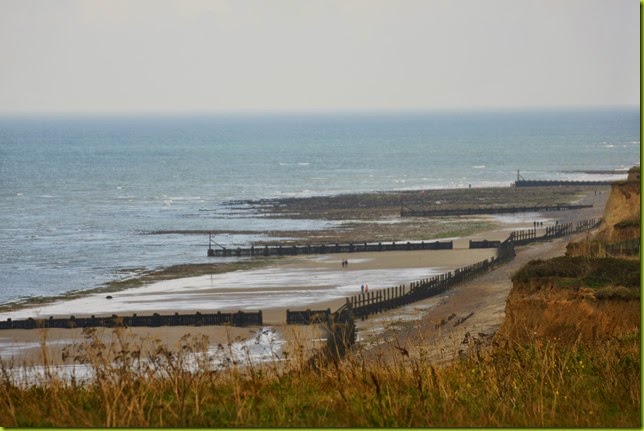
column 108, row 297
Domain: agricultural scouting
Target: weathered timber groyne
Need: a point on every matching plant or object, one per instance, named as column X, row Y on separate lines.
column 380, row 300
column 527, row 236
column 280, row 250
column 359, row 305
column 239, row 318
column 307, row 317
column 484, row 244
column 554, row 183
column 406, row 212
column 341, row 326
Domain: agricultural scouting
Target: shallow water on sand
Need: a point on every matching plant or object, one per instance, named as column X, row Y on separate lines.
column 80, row 196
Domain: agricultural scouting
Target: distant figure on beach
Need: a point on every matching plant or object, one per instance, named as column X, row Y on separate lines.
column 366, row 288
column 345, row 263
column 362, row 288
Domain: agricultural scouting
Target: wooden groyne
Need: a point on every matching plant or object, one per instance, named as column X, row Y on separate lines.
column 283, row 250
column 359, row 305
column 484, row 244
column 385, row 299
column 555, row 183
column 239, row 318
column 341, row 328
column 406, row 212
column 307, row 316
column 378, row 301
column 527, row 236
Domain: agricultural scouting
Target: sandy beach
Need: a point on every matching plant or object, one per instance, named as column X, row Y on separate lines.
column 315, row 282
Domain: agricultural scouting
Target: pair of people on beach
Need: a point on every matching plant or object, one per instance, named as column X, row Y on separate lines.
column 364, row 288
column 345, row 263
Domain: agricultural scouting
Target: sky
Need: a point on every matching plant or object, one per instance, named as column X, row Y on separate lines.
column 122, row 56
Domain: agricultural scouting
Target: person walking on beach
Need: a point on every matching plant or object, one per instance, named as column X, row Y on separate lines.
column 366, row 288
column 362, row 288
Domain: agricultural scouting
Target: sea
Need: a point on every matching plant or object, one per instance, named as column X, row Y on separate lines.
column 81, row 195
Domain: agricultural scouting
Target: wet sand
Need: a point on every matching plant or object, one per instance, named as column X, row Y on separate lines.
column 417, row 328
column 441, row 327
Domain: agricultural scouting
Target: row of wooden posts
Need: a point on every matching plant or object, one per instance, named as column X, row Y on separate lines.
column 527, row 236
column 340, row 325
column 377, row 301
column 293, row 250
column 443, row 212
column 359, row 305
column 553, row 183
column 239, row 318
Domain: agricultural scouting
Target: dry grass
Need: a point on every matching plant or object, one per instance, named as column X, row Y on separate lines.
column 151, row 385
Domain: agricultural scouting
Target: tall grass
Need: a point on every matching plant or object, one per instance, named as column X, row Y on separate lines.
column 537, row 384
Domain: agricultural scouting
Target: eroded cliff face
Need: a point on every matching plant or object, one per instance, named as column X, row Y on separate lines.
column 541, row 310
column 580, row 298
column 622, row 213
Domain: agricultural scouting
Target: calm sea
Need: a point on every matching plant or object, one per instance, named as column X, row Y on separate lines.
column 78, row 195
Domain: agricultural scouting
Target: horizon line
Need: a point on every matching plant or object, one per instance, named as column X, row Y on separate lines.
column 309, row 111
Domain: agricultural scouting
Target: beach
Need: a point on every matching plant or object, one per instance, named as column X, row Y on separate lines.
column 314, row 282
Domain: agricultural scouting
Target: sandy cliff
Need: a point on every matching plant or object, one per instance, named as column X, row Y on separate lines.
column 622, row 213
column 579, row 298
column 541, row 309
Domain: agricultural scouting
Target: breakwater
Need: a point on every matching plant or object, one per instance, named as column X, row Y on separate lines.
column 307, row 317
column 239, row 318
column 527, row 236
column 377, row 301
column 406, row 212
column 554, row 183
column 484, row 244
column 358, row 305
column 282, row 250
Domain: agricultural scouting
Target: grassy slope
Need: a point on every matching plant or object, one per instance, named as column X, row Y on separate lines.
column 530, row 385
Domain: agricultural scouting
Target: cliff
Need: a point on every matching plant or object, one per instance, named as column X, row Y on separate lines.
column 581, row 298
column 622, row 213
column 573, row 300
column 619, row 231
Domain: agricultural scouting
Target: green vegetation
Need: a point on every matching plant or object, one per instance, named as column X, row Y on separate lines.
column 624, row 224
column 533, row 385
column 584, row 272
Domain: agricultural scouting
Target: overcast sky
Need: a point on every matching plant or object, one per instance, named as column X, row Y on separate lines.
column 238, row 55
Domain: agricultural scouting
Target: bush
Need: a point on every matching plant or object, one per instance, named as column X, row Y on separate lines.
column 591, row 272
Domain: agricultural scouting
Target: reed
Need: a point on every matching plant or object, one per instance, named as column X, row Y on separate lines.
column 148, row 384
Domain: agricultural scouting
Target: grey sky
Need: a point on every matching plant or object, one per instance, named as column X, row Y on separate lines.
column 202, row 55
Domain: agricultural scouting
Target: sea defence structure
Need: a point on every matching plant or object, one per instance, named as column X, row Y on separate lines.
column 283, row 250
column 239, row 318
column 406, row 212
column 522, row 182
column 551, row 183
column 360, row 306
column 380, row 300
